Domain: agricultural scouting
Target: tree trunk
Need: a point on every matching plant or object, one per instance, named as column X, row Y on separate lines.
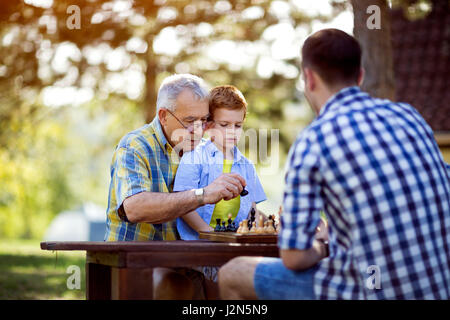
column 376, row 46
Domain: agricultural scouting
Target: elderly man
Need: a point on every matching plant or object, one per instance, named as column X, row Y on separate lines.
column 141, row 206
column 374, row 168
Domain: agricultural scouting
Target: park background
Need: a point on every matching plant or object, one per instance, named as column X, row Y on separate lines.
column 70, row 89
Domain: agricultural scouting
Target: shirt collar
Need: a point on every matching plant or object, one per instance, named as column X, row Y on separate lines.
column 212, row 149
column 162, row 140
column 338, row 97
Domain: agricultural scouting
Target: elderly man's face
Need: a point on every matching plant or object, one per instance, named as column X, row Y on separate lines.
column 192, row 113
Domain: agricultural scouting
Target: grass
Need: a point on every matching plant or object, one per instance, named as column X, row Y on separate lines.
column 27, row 272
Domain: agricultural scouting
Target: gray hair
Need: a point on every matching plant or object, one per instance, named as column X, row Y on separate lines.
column 173, row 85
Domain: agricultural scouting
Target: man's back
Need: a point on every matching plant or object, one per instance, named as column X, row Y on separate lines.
column 386, row 192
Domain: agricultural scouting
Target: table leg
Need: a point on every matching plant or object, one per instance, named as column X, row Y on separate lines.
column 131, row 283
column 98, row 282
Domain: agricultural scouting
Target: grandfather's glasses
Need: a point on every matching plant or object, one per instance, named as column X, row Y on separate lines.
column 191, row 127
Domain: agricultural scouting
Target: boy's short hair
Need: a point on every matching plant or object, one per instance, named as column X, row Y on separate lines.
column 228, row 97
column 334, row 55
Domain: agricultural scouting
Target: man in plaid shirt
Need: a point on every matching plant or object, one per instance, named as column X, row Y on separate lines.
column 373, row 167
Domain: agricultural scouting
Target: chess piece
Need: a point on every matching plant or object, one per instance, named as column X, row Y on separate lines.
column 233, row 227
column 244, row 192
column 223, row 228
column 252, row 218
column 260, row 227
column 239, row 230
column 253, row 229
column 229, row 223
column 245, row 226
column 217, row 228
column 277, row 220
column 265, row 227
column 270, row 227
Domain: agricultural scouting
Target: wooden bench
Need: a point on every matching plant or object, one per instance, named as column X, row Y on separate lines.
column 124, row 270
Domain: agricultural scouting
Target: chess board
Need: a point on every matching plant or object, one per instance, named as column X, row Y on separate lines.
column 238, row 237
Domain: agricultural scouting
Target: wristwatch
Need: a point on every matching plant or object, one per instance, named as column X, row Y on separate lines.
column 199, row 195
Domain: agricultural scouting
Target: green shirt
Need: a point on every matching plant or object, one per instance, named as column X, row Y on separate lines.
column 224, row 207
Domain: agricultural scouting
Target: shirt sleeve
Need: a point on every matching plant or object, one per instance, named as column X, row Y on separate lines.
column 302, row 200
column 188, row 172
column 131, row 174
column 256, row 189
column 448, row 170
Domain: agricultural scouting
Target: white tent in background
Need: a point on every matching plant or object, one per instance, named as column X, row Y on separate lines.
column 87, row 223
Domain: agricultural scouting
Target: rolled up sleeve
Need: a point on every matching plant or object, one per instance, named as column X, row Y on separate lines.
column 256, row 189
column 302, row 201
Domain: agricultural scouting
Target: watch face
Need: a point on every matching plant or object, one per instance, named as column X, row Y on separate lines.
column 198, row 192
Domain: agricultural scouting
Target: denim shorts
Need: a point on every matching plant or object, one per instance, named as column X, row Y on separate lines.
column 273, row 281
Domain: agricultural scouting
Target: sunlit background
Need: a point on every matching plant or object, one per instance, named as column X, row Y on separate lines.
column 69, row 95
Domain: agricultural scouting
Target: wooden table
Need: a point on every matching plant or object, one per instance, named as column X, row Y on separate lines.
column 124, row 270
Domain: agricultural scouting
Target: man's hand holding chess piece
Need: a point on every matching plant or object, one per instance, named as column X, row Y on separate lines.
column 322, row 235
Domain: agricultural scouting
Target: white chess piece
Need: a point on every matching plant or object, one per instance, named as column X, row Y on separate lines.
column 260, row 228
column 239, row 230
column 244, row 228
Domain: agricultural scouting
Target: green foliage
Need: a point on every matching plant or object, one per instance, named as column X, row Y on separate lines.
column 59, row 162
column 55, row 158
column 34, row 184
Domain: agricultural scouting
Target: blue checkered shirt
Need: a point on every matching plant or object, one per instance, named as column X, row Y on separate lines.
column 376, row 171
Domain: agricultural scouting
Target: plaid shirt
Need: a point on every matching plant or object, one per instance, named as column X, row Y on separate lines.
column 143, row 161
column 375, row 169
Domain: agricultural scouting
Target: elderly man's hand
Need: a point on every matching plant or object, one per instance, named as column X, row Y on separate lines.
column 227, row 186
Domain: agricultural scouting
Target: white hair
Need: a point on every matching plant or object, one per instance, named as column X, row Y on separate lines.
column 173, row 85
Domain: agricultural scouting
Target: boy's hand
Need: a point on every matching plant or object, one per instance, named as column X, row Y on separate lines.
column 227, row 186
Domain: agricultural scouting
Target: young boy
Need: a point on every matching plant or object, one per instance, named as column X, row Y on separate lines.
column 211, row 158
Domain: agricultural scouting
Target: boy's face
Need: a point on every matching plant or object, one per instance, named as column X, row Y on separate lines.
column 226, row 129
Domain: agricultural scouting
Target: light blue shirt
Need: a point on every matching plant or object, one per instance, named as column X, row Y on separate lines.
column 203, row 165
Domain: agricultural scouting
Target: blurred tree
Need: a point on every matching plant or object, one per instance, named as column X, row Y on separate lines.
column 116, row 61
column 39, row 49
column 376, row 42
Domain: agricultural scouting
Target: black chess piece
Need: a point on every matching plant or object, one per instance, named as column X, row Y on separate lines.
column 271, row 218
column 252, row 218
column 229, row 223
column 223, row 228
column 217, row 228
column 244, row 192
column 233, row 227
